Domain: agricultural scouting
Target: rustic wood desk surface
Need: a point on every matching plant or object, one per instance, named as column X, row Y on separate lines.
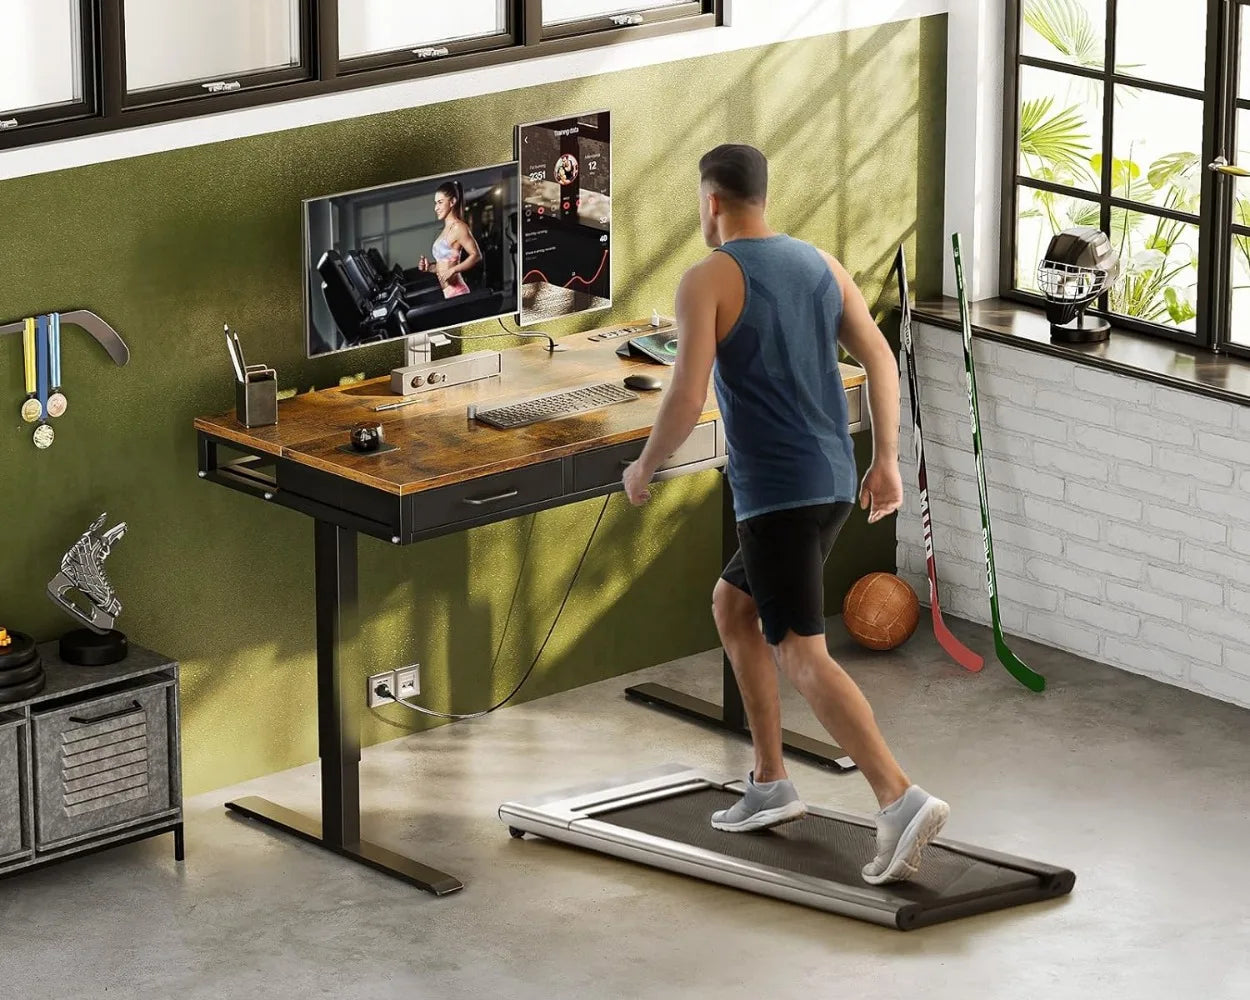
column 438, row 444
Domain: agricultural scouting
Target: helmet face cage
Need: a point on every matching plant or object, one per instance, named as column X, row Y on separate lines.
column 1078, row 267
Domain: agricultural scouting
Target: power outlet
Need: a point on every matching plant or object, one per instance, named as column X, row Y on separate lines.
column 409, row 681
column 387, row 678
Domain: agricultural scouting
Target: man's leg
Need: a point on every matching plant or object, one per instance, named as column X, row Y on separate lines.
column 843, row 710
column 770, row 799
column 737, row 621
column 910, row 817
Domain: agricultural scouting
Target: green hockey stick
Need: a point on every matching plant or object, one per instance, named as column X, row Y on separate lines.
column 1015, row 666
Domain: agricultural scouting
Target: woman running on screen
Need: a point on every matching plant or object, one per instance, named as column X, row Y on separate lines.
column 455, row 250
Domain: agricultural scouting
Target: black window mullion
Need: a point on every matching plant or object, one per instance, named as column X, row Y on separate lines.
column 111, row 49
column 1215, row 240
column 324, row 23
column 531, row 21
column 1108, row 127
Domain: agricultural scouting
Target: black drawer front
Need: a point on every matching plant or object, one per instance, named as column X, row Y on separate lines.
column 339, row 493
column 603, row 466
column 481, row 498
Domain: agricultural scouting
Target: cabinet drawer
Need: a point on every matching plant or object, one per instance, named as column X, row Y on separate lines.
column 603, row 466
column 497, row 494
column 14, row 794
column 101, row 762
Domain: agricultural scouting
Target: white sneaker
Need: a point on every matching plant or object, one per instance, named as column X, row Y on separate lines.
column 904, row 828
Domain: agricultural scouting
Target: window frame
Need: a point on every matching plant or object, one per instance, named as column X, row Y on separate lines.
column 1211, row 330
column 110, row 109
column 27, row 121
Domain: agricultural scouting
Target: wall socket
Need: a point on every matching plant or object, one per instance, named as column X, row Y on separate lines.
column 403, row 683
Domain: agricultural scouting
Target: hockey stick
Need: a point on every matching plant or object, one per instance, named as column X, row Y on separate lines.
column 957, row 651
column 1015, row 666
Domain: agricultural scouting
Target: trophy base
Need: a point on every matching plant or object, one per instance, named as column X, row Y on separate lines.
column 85, row 648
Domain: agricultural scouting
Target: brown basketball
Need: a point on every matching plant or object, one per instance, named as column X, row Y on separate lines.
column 881, row 611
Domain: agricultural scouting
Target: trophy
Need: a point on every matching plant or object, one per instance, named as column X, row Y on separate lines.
column 83, row 592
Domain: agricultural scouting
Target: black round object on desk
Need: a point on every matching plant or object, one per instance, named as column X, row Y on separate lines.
column 85, row 648
column 367, row 437
column 20, row 652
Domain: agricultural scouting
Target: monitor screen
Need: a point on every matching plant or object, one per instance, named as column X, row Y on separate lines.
column 411, row 257
column 566, row 218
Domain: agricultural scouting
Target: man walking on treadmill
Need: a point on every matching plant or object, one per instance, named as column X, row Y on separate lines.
column 769, row 311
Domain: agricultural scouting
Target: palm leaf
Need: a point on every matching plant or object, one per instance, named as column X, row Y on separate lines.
column 1067, row 27
column 1058, row 140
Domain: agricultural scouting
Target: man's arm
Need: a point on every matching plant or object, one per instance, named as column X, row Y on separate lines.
column 865, row 342
column 686, row 397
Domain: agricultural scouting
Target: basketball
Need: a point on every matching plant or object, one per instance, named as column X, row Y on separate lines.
column 881, row 611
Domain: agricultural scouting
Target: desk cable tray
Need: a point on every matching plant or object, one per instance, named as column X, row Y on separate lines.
column 554, row 405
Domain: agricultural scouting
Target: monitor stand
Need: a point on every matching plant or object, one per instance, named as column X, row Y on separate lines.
column 421, row 347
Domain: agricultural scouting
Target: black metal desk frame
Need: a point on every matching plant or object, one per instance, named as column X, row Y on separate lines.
column 342, row 509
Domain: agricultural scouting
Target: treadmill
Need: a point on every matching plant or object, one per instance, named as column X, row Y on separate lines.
column 661, row 818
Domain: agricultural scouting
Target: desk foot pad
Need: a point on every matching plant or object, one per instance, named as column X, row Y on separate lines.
column 371, row 855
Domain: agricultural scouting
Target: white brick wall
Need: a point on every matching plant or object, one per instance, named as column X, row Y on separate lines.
column 1120, row 511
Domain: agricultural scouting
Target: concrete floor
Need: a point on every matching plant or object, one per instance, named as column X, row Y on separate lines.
column 1140, row 788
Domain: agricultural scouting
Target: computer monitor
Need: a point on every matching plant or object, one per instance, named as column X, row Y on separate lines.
column 376, row 258
column 566, row 218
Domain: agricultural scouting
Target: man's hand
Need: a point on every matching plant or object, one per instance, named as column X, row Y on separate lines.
column 881, row 491
column 636, row 477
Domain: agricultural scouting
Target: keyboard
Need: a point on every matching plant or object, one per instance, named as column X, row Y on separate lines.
column 554, row 405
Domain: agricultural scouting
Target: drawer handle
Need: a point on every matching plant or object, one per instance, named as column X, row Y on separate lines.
column 479, row 501
column 84, row 720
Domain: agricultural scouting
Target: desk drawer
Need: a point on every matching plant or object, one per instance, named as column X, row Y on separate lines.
column 603, row 466
column 482, row 498
column 13, row 789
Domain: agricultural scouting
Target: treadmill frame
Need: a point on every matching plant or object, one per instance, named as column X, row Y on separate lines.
column 569, row 815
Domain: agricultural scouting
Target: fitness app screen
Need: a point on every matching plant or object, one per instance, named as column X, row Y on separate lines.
column 565, row 244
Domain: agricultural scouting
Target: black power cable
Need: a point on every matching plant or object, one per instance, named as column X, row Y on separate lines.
column 384, row 691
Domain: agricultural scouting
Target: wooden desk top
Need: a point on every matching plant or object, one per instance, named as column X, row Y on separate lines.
column 438, row 444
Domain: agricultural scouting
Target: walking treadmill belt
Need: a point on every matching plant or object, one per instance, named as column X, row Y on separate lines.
column 815, row 860
column 820, row 848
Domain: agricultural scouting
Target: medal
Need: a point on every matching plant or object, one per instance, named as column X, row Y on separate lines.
column 31, row 410
column 44, row 434
column 57, row 402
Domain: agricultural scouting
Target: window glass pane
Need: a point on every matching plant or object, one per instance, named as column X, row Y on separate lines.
column 1068, row 31
column 1156, row 149
column 562, row 11
column 1060, row 127
column 1162, row 40
column 1243, row 88
column 1158, row 269
column 1039, row 216
column 367, row 27
column 169, row 42
column 1239, row 331
column 40, row 55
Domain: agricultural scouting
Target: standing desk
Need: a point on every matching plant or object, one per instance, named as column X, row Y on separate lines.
column 449, row 473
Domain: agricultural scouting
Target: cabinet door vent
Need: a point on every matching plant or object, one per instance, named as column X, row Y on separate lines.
column 104, row 763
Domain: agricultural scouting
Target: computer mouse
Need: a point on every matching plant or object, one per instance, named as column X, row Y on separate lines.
column 646, row 383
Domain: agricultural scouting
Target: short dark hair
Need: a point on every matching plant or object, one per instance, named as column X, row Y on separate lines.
column 736, row 172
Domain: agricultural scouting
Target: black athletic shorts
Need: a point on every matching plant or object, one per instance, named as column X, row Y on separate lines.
column 780, row 562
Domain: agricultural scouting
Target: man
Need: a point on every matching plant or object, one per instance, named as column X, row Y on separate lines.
column 770, row 312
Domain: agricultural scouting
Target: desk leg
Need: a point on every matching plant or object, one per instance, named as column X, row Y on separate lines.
column 730, row 714
column 338, row 728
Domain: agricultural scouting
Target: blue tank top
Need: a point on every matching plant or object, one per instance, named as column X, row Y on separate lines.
column 778, row 384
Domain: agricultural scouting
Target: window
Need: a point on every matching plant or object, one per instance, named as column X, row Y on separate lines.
column 1117, row 111
column 74, row 67
column 187, row 48
column 46, row 70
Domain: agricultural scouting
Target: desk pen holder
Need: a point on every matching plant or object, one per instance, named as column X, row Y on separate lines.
column 256, row 400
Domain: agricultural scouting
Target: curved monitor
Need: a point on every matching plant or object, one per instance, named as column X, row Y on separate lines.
column 411, row 257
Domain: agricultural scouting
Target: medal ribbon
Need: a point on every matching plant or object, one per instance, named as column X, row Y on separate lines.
column 41, row 362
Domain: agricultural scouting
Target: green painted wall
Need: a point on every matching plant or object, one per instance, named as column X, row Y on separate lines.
column 169, row 246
